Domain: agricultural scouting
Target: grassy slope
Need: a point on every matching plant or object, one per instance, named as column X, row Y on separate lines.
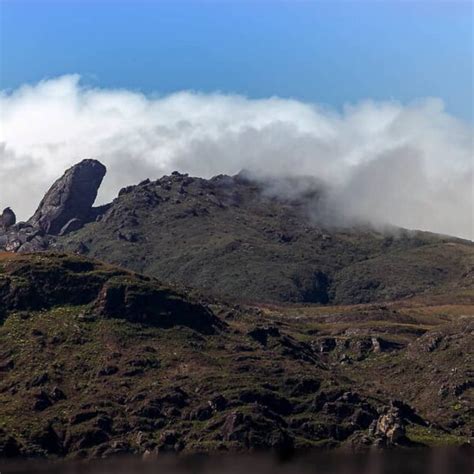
column 135, row 383
column 223, row 235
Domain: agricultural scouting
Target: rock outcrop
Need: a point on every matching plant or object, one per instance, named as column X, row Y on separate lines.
column 70, row 199
column 66, row 207
column 141, row 301
column 7, row 219
column 40, row 282
column 390, row 427
column 23, row 237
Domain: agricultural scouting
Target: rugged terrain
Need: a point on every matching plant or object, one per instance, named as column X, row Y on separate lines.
column 240, row 238
column 228, row 318
column 96, row 361
column 229, row 236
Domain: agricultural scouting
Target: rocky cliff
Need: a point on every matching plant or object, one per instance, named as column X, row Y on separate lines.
column 65, row 208
column 67, row 205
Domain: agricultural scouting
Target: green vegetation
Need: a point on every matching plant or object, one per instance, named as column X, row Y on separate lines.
column 228, row 237
column 433, row 437
column 96, row 360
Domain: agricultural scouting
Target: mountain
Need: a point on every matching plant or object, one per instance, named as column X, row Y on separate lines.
column 193, row 315
column 236, row 237
column 96, row 361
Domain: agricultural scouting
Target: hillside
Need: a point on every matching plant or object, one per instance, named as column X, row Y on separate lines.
column 235, row 237
column 232, row 237
column 97, row 361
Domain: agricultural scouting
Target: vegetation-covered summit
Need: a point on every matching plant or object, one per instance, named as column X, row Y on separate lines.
column 235, row 236
column 230, row 237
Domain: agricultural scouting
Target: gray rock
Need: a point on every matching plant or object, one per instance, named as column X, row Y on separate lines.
column 390, row 426
column 23, row 238
column 37, row 244
column 13, row 245
column 71, row 197
column 71, row 226
column 7, row 219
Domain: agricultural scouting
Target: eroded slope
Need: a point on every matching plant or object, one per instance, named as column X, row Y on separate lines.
column 97, row 361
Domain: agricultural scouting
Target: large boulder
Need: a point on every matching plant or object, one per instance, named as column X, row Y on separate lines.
column 7, row 219
column 70, row 197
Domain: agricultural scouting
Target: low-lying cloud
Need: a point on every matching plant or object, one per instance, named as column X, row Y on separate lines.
column 407, row 165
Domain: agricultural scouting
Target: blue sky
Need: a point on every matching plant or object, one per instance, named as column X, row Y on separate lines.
column 325, row 52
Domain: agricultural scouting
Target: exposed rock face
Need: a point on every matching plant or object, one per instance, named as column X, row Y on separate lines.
column 70, row 198
column 142, row 302
column 257, row 429
column 390, row 426
column 66, row 207
column 23, row 237
column 29, row 284
column 7, row 219
column 389, row 429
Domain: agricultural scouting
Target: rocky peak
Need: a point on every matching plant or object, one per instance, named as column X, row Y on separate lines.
column 7, row 219
column 70, row 198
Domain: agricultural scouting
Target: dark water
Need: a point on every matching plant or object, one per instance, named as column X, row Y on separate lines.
column 440, row 461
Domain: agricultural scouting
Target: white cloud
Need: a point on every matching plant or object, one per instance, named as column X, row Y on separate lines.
column 409, row 165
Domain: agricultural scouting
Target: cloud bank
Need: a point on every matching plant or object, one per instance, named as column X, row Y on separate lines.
column 407, row 165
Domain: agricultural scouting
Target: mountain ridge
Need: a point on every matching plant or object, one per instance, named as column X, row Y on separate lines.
column 236, row 237
column 228, row 236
